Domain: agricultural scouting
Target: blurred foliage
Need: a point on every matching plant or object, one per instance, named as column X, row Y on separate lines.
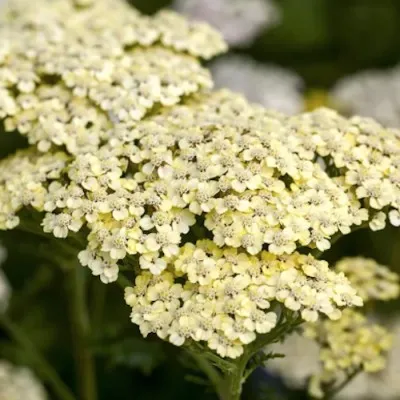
column 324, row 40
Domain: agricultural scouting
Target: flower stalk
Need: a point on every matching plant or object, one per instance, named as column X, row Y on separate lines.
column 228, row 378
column 85, row 365
column 44, row 368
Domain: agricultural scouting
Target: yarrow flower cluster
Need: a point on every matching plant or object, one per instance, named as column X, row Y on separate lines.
column 17, row 383
column 269, row 85
column 207, row 198
column 370, row 93
column 224, row 296
column 303, row 351
column 371, row 280
column 346, row 346
column 75, row 73
column 240, row 21
column 247, row 172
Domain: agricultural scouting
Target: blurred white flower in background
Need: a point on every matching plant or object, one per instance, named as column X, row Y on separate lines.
column 272, row 86
column 301, row 361
column 374, row 94
column 5, row 290
column 19, row 383
column 239, row 21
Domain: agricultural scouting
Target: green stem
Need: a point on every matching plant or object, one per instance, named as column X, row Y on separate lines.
column 45, row 370
column 123, row 282
column 227, row 384
column 85, row 365
column 99, row 298
column 228, row 377
column 209, row 370
column 232, row 383
column 333, row 392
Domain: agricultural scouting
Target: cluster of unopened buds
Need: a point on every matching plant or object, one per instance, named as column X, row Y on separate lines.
column 220, row 205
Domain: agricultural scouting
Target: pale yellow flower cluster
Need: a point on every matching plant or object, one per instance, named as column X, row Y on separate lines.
column 364, row 156
column 344, row 346
column 95, row 87
column 75, row 72
column 17, row 383
column 348, row 345
column 371, row 280
column 223, row 296
column 24, row 181
column 304, row 352
column 248, row 173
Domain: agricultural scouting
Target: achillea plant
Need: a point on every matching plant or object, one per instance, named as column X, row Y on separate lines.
column 211, row 211
column 347, row 346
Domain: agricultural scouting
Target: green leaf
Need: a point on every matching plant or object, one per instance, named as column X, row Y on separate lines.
column 134, row 353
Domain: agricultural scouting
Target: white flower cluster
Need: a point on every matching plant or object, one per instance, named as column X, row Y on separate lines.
column 386, row 385
column 341, row 347
column 249, row 173
column 348, row 345
column 371, row 93
column 364, row 156
column 24, row 179
column 301, row 360
column 272, row 86
column 5, row 291
column 96, row 87
column 73, row 75
column 303, row 351
column 371, row 280
column 332, row 350
column 18, row 383
column 240, row 21
column 223, row 296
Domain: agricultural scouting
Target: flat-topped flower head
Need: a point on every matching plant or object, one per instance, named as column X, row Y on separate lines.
column 224, row 297
column 348, row 346
column 312, row 354
column 252, row 178
column 218, row 208
column 19, row 383
column 371, row 280
column 77, row 71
